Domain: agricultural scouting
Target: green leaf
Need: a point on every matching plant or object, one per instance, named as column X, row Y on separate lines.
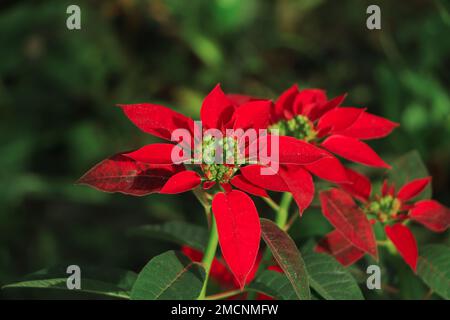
column 181, row 233
column 329, row 278
column 407, row 168
column 274, row 284
column 108, row 282
column 288, row 257
column 434, row 268
column 169, row 276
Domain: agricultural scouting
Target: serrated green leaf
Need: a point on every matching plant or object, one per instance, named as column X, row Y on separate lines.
column 329, row 278
column 273, row 284
column 169, row 276
column 87, row 286
column 407, row 168
column 178, row 232
column 288, row 257
column 433, row 268
column 108, row 282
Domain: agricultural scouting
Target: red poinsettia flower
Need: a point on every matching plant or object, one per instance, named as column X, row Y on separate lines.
column 309, row 116
column 354, row 235
column 151, row 169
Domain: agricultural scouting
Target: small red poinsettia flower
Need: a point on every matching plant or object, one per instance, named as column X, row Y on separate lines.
column 354, row 236
column 309, row 116
column 151, row 169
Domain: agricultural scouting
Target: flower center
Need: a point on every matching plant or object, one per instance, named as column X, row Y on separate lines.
column 219, row 172
column 299, row 127
column 219, row 158
column 385, row 207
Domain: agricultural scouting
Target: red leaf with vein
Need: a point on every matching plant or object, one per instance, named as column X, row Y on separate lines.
column 181, row 182
column 329, row 169
column 335, row 244
column 240, row 182
column 369, row 126
column 290, row 150
column 159, row 153
column 122, row 174
column 341, row 211
column 354, row 150
column 216, row 109
column 271, row 182
column 413, row 188
column 300, row 184
column 239, row 231
column 404, row 241
column 157, row 120
column 431, row 214
column 359, row 185
column 288, row 257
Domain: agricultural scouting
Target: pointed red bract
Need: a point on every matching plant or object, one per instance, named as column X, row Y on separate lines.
column 157, row 120
column 369, row 126
column 239, row 99
column 290, row 150
column 253, row 114
column 431, row 214
column 240, row 182
column 300, row 184
column 413, row 188
column 359, row 185
column 309, row 102
column 271, row 182
column 239, row 231
column 335, row 244
column 283, row 105
column 321, row 109
column 404, row 241
column 122, row 174
column 181, row 182
column 216, row 110
column 354, row 150
column 159, row 153
column 339, row 119
column 341, row 211
column 329, row 169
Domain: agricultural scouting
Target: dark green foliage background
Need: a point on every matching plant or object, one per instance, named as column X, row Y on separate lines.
column 58, row 89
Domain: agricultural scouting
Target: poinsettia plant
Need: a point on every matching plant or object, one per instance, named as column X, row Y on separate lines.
column 243, row 149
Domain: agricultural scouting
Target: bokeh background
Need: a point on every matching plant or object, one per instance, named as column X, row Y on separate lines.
column 58, row 90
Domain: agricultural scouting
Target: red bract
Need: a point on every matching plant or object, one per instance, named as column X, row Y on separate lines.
column 352, row 236
column 220, row 273
column 151, row 169
column 309, row 116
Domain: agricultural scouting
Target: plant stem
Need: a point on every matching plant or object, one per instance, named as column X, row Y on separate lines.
column 272, row 204
column 208, row 257
column 223, row 295
column 283, row 212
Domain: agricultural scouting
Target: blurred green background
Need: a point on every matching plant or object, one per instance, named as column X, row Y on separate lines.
column 58, row 90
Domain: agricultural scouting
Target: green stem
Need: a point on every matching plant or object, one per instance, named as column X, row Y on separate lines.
column 209, row 255
column 283, row 212
column 223, row 295
column 271, row 204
